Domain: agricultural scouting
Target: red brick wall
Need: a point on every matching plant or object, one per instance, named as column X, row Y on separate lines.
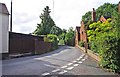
column 21, row 46
column 83, row 35
column 77, row 35
column 42, row 47
column 22, row 43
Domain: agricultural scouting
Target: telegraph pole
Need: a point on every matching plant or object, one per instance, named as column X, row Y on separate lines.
column 53, row 8
column 11, row 18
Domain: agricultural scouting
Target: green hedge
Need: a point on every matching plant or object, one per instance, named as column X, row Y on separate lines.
column 53, row 39
column 104, row 39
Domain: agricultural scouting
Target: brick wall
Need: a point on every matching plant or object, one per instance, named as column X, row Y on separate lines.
column 83, row 35
column 24, row 43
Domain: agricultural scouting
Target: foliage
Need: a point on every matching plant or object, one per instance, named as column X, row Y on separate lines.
column 55, row 30
column 106, row 9
column 70, row 37
column 47, row 25
column 51, row 38
column 81, row 43
column 62, row 38
column 104, row 38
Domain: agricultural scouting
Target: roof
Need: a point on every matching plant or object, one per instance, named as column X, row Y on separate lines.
column 3, row 9
column 106, row 17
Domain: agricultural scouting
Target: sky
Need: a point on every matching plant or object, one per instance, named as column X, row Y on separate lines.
column 65, row 13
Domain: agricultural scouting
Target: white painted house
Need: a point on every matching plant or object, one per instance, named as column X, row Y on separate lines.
column 4, row 28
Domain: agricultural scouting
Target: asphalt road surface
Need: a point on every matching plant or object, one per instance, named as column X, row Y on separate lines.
column 64, row 61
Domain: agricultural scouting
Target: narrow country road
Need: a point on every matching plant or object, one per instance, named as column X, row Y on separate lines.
column 64, row 61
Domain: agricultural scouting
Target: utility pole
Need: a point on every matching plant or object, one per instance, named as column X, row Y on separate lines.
column 11, row 18
column 53, row 8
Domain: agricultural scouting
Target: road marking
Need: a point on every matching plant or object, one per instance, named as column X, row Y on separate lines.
column 62, row 72
column 56, row 70
column 47, row 56
column 69, row 63
column 83, row 59
column 78, row 59
column 63, row 66
column 45, row 74
column 75, row 64
column 82, row 55
column 74, row 61
column 49, row 65
column 80, row 62
column 86, row 57
column 69, row 68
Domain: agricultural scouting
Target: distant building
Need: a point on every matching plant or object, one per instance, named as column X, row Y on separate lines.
column 104, row 18
column 4, row 27
column 81, row 34
column 77, row 35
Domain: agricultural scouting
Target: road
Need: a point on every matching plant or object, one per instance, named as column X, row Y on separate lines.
column 64, row 61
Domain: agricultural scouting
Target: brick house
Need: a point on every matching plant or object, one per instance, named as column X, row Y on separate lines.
column 81, row 34
column 77, row 37
column 104, row 18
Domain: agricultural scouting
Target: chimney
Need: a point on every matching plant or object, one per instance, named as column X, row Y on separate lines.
column 119, row 7
column 93, row 15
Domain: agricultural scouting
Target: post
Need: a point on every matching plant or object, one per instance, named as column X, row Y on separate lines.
column 11, row 18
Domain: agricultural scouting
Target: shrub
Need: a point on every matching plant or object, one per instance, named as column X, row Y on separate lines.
column 109, row 52
column 53, row 39
column 81, row 43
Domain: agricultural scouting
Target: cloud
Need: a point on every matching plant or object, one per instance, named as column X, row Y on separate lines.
column 22, row 18
column 66, row 13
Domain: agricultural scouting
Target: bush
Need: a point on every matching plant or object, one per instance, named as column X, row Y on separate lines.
column 53, row 39
column 104, row 38
column 109, row 52
column 81, row 43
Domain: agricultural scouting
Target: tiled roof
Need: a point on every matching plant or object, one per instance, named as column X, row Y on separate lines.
column 3, row 9
column 106, row 17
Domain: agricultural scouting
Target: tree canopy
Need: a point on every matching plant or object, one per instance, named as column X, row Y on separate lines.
column 107, row 9
column 47, row 25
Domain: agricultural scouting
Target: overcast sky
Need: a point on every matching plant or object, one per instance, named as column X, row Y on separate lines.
column 66, row 13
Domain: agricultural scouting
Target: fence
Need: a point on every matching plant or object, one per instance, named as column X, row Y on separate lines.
column 23, row 43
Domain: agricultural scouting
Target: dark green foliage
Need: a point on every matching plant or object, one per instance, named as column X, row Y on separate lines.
column 106, row 9
column 56, row 30
column 47, row 25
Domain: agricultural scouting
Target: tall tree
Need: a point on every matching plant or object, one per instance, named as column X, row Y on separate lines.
column 46, row 23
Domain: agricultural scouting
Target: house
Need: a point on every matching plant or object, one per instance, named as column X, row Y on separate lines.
column 4, row 27
column 77, row 35
column 81, row 34
column 104, row 18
